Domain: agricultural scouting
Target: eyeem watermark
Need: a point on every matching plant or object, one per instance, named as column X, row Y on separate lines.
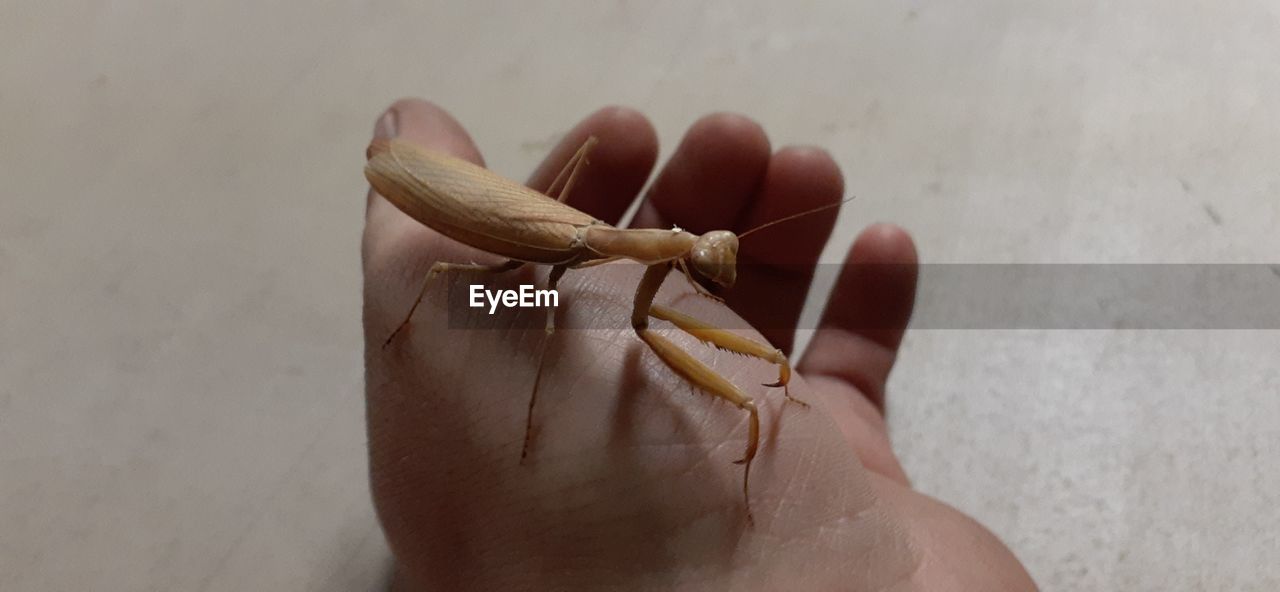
column 526, row 297
column 977, row 296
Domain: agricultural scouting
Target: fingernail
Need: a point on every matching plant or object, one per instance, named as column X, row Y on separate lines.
column 388, row 125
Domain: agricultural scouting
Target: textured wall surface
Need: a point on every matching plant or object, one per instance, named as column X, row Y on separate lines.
column 180, row 376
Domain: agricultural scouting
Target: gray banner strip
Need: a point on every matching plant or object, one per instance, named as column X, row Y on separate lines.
column 1023, row 296
column 1094, row 296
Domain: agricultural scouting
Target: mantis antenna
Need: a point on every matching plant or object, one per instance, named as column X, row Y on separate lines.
column 794, row 216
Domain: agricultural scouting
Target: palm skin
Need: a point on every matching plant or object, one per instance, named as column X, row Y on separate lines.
column 629, row 484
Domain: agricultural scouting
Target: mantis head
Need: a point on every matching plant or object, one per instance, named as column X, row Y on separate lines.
column 715, row 257
column 715, row 254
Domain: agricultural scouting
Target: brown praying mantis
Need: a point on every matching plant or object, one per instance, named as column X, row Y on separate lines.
column 477, row 207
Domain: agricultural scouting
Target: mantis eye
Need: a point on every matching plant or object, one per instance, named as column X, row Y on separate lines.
column 715, row 256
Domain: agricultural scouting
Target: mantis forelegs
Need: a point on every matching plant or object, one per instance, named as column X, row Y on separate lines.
column 730, row 341
column 690, row 368
column 699, row 288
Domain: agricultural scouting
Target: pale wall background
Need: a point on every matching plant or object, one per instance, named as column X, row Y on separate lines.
column 180, row 366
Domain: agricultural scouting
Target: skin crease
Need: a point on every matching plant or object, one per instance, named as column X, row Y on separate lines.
column 630, row 483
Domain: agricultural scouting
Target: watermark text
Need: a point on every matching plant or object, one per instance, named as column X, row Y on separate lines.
column 525, row 297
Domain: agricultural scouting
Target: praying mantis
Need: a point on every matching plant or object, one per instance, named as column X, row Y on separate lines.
column 482, row 209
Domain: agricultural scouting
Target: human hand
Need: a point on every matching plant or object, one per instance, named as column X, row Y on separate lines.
column 629, row 483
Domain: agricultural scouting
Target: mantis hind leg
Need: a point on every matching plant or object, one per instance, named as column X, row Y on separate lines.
column 569, row 174
column 552, row 280
column 438, row 268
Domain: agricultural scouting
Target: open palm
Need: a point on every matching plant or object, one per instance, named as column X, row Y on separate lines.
column 629, row 483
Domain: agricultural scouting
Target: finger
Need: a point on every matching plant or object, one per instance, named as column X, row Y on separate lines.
column 857, row 340
column 616, row 168
column 384, row 128
column 711, row 178
column 431, row 127
column 858, row 336
column 776, row 264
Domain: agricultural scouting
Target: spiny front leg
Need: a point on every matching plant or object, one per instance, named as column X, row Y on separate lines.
column 730, row 341
column 699, row 288
column 438, row 268
column 694, row 371
column 704, row 378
